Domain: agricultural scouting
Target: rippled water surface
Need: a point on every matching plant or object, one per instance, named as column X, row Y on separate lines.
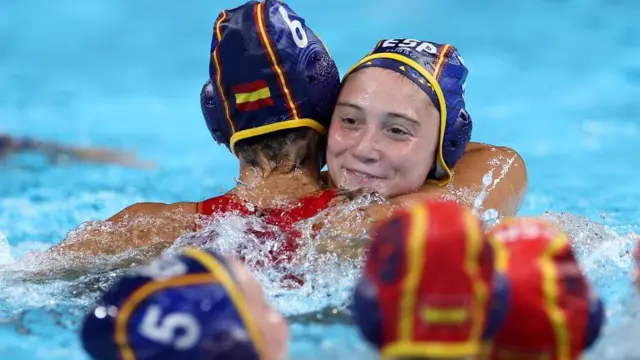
column 558, row 80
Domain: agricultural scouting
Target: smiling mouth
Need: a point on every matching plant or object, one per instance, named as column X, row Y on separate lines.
column 361, row 176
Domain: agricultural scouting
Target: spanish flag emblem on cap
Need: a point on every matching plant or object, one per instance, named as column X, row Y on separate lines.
column 430, row 284
column 252, row 96
column 268, row 72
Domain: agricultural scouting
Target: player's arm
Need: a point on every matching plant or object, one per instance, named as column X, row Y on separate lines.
column 345, row 225
column 137, row 226
column 501, row 167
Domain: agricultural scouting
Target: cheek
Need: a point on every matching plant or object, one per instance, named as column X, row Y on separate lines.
column 411, row 163
column 404, row 153
column 280, row 324
column 276, row 334
column 414, row 173
column 338, row 142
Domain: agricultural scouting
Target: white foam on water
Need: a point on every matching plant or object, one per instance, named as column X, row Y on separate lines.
column 5, row 251
column 328, row 276
column 602, row 251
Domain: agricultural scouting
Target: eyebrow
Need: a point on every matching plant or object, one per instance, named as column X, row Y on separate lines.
column 389, row 114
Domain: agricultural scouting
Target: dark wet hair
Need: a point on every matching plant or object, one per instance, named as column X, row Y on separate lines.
column 278, row 148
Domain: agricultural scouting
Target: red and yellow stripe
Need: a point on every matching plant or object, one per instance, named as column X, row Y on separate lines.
column 416, row 258
column 217, row 33
column 440, row 60
column 535, row 271
column 422, row 218
column 474, row 241
column 275, row 63
column 551, row 293
column 295, row 119
column 252, row 96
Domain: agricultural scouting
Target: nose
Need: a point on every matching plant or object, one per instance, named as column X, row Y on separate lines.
column 366, row 150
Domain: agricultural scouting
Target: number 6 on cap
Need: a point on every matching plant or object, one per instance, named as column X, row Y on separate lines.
column 297, row 31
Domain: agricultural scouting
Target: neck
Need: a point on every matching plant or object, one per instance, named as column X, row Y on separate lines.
column 271, row 188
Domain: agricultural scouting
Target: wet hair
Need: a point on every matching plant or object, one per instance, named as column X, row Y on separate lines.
column 281, row 149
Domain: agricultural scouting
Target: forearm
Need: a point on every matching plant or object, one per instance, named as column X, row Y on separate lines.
column 485, row 178
column 108, row 238
column 140, row 225
column 504, row 183
column 97, row 247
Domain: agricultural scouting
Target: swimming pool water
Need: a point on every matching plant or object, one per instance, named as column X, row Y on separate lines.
column 558, row 80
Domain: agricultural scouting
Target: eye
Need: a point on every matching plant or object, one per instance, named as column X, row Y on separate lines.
column 348, row 121
column 397, row 131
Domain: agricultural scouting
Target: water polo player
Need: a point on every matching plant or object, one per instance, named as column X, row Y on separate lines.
column 554, row 313
column 197, row 305
column 432, row 287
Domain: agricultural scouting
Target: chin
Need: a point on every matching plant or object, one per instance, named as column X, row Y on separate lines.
column 387, row 189
column 384, row 192
column 349, row 186
column 381, row 189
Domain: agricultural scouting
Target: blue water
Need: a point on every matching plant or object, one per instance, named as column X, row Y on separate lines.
column 556, row 80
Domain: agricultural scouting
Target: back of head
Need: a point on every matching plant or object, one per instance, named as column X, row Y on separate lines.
column 269, row 74
column 554, row 313
column 430, row 288
column 185, row 307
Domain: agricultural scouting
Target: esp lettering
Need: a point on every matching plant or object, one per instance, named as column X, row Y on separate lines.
column 418, row 45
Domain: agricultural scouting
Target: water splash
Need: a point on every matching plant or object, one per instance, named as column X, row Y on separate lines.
column 329, row 274
column 489, row 217
column 484, row 191
column 5, row 251
column 322, row 301
column 39, row 280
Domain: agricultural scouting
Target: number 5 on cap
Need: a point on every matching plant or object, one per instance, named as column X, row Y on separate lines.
column 297, row 31
column 163, row 331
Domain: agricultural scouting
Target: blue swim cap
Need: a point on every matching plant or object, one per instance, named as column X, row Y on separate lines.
column 185, row 307
column 268, row 72
column 440, row 72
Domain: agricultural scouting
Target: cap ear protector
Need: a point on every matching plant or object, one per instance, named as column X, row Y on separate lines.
column 595, row 322
column 595, row 312
column 365, row 311
column 498, row 306
column 211, row 110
